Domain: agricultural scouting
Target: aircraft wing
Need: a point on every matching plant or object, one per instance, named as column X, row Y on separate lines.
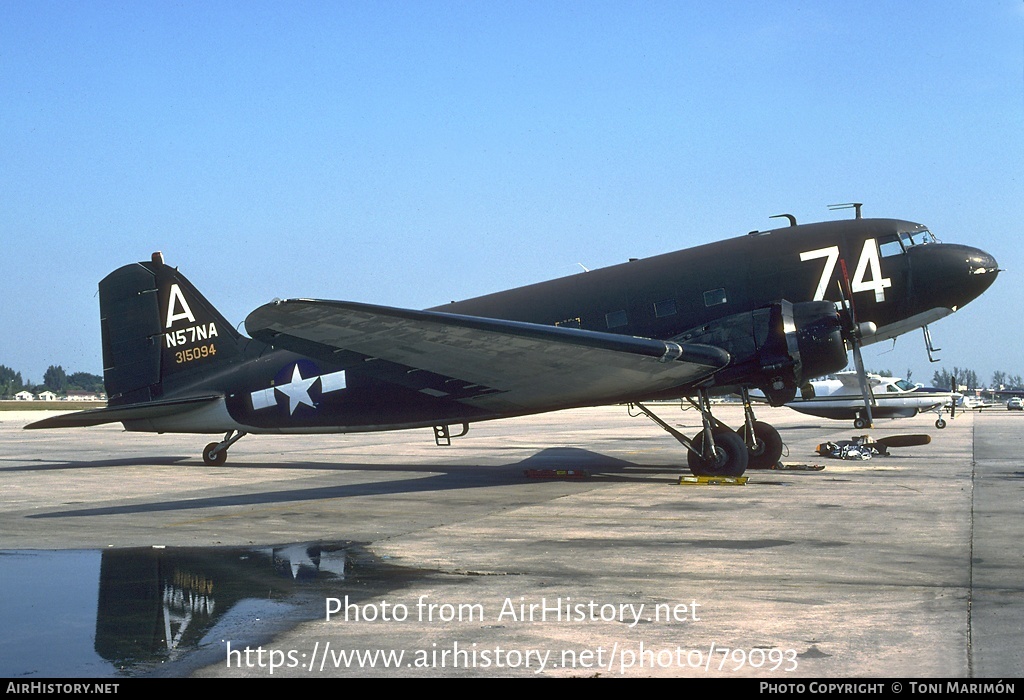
column 851, row 382
column 524, row 366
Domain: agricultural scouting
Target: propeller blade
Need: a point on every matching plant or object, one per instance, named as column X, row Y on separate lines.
column 854, row 333
column 865, row 390
column 905, row 440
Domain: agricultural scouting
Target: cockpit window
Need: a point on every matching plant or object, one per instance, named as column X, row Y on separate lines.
column 889, row 246
column 919, row 237
column 905, row 385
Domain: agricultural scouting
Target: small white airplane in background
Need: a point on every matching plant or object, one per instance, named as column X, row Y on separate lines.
column 975, row 403
column 841, row 399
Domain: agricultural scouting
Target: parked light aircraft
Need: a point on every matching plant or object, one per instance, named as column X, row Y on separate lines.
column 974, row 403
column 767, row 310
column 841, row 399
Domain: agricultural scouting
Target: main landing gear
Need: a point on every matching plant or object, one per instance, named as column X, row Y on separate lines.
column 717, row 450
column 763, row 442
column 216, row 453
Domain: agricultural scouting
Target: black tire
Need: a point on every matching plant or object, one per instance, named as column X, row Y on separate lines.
column 768, row 446
column 212, row 459
column 860, row 423
column 730, row 455
column 940, row 424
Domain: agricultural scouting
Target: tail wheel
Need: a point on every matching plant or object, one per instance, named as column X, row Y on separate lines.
column 767, row 446
column 730, row 458
column 212, row 457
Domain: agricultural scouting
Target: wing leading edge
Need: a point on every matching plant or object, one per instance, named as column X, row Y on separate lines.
column 528, row 366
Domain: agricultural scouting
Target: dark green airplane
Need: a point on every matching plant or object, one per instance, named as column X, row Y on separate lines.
column 769, row 310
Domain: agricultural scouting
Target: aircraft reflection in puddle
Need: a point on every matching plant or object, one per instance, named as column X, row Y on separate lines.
column 155, row 606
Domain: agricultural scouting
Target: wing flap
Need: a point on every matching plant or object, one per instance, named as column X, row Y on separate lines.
column 527, row 365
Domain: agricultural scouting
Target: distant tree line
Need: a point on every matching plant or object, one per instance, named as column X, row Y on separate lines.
column 943, row 379
column 55, row 379
column 1001, row 381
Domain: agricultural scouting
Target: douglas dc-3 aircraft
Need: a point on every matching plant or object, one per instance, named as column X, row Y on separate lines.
column 767, row 310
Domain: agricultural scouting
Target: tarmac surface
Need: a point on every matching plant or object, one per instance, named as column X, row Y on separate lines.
column 901, row 566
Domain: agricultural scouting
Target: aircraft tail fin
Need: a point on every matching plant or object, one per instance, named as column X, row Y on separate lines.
column 160, row 335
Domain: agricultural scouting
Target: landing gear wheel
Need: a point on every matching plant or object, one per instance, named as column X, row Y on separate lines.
column 767, row 448
column 730, row 458
column 940, row 424
column 860, row 423
column 214, row 459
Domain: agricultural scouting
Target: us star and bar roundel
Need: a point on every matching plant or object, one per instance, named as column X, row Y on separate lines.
column 296, row 385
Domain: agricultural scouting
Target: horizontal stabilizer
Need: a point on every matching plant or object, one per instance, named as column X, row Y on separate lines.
column 99, row 416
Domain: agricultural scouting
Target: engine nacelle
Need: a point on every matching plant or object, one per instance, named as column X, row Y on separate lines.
column 776, row 348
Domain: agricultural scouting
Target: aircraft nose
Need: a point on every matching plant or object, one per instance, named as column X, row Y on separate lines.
column 982, row 270
column 951, row 275
column 968, row 272
column 981, row 263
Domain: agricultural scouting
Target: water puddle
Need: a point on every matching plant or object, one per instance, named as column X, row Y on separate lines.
column 165, row 611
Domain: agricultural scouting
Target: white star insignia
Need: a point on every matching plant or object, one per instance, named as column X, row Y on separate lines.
column 297, row 390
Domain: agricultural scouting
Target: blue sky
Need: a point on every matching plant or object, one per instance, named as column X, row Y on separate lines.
column 409, row 153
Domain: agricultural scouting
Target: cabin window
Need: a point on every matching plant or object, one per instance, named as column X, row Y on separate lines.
column 616, row 319
column 889, row 246
column 570, row 323
column 665, row 308
column 714, row 297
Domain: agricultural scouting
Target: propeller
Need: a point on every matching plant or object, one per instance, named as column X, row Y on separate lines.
column 855, row 333
column 953, row 388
